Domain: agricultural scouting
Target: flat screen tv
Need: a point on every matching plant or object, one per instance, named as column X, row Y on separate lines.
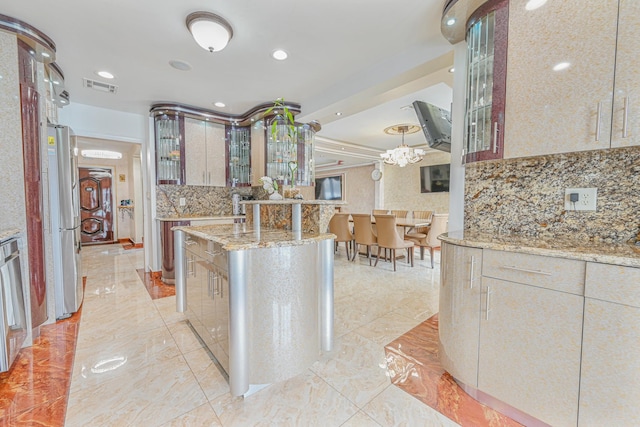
column 435, row 178
column 330, row 188
column 436, row 125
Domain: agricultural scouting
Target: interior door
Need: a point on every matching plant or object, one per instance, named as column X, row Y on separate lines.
column 96, row 216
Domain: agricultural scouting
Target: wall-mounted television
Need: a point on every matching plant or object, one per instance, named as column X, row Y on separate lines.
column 436, row 125
column 435, row 178
column 330, row 188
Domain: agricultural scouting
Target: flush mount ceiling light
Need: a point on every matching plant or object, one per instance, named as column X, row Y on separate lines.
column 101, row 154
column 209, row 30
column 402, row 155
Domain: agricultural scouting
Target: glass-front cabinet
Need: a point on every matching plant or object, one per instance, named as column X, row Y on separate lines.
column 289, row 153
column 238, row 155
column 169, row 131
column 486, row 82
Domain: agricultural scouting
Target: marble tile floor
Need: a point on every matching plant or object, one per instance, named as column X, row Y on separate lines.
column 137, row 361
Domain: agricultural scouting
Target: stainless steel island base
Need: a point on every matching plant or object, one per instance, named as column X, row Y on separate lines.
column 279, row 306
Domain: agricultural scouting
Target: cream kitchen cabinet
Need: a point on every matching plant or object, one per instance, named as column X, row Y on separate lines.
column 205, row 147
column 459, row 313
column 610, row 376
column 559, row 89
column 626, row 98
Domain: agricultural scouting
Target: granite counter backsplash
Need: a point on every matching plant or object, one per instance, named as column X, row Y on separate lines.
column 201, row 200
column 525, row 196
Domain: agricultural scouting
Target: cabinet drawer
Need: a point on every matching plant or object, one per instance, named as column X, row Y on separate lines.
column 560, row 274
column 613, row 283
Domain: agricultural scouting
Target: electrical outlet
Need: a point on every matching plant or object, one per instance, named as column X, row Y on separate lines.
column 183, row 201
column 587, row 199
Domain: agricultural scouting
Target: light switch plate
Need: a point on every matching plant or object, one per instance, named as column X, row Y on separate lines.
column 587, row 199
column 183, row 201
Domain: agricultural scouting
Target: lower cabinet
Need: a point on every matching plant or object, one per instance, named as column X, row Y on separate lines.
column 459, row 313
column 529, row 358
column 610, row 377
column 208, row 295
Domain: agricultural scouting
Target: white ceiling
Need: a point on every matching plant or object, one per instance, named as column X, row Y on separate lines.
column 364, row 58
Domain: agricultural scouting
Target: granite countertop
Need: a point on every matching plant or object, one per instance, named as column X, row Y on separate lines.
column 293, row 202
column 9, row 233
column 625, row 254
column 235, row 237
column 197, row 217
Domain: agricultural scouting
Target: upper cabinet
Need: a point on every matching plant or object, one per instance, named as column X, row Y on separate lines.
column 169, row 131
column 626, row 98
column 486, row 79
column 204, row 153
column 560, row 80
column 238, row 155
column 289, row 155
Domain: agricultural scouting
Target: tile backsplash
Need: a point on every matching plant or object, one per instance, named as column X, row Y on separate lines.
column 200, row 200
column 525, row 196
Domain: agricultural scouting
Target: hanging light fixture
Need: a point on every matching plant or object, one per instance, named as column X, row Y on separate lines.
column 209, row 30
column 402, row 155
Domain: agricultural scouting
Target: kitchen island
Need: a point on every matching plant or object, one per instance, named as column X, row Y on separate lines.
column 261, row 299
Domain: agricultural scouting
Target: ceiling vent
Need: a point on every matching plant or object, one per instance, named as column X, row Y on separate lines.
column 99, row 86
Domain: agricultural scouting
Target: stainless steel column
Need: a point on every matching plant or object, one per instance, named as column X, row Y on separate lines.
column 181, row 288
column 238, row 322
column 326, row 293
column 256, row 216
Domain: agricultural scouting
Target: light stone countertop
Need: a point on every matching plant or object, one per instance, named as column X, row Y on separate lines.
column 236, row 237
column 625, row 254
column 9, row 233
column 293, row 202
column 198, row 217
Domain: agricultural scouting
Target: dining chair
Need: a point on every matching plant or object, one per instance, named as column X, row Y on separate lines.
column 363, row 233
column 438, row 226
column 388, row 238
column 399, row 213
column 380, row 212
column 339, row 225
column 420, row 232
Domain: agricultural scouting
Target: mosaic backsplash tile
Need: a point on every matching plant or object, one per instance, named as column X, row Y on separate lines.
column 201, row 200
column 525, row 196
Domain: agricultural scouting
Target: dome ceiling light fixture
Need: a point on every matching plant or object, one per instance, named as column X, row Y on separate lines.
column 402, row 155
column 210, row 31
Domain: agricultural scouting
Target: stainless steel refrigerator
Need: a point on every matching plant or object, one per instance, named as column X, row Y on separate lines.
column 64, row 197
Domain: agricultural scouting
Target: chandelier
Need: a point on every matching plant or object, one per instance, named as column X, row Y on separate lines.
column 402, row 155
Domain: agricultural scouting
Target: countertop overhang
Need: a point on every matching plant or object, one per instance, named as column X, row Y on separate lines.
column 236, row 237
column 293, row 202
column 198, row 217
column 626, row 254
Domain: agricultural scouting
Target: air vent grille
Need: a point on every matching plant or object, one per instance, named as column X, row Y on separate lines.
column 99, row 86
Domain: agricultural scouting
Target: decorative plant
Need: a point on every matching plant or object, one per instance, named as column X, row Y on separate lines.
column 269, row 184
column 283, row 128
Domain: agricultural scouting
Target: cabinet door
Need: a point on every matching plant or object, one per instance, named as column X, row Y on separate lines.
column 626, row 100
column 530, row 344
column 194, row 291
column 459, row 316
column 208, row 307
column 486, row 81
column 195, row 152
column 221, row 290
column 169, row 150
column 555, row 108
column 216, row 158
column 609, row 386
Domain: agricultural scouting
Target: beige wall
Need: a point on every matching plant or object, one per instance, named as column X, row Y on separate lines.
column 359, row 191
column 401, row 186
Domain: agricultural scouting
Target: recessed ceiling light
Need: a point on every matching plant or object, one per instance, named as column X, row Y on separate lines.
column 280, row 55
column 451, row 21
column 219, row 104
column 63, row 101
column 451, row 70
column 105, row 74
column 180, row 65
column 45, row 55
column 101, row 154
column 561, row 66
column 55, row 82
column 534, row 4
column 338, row 113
